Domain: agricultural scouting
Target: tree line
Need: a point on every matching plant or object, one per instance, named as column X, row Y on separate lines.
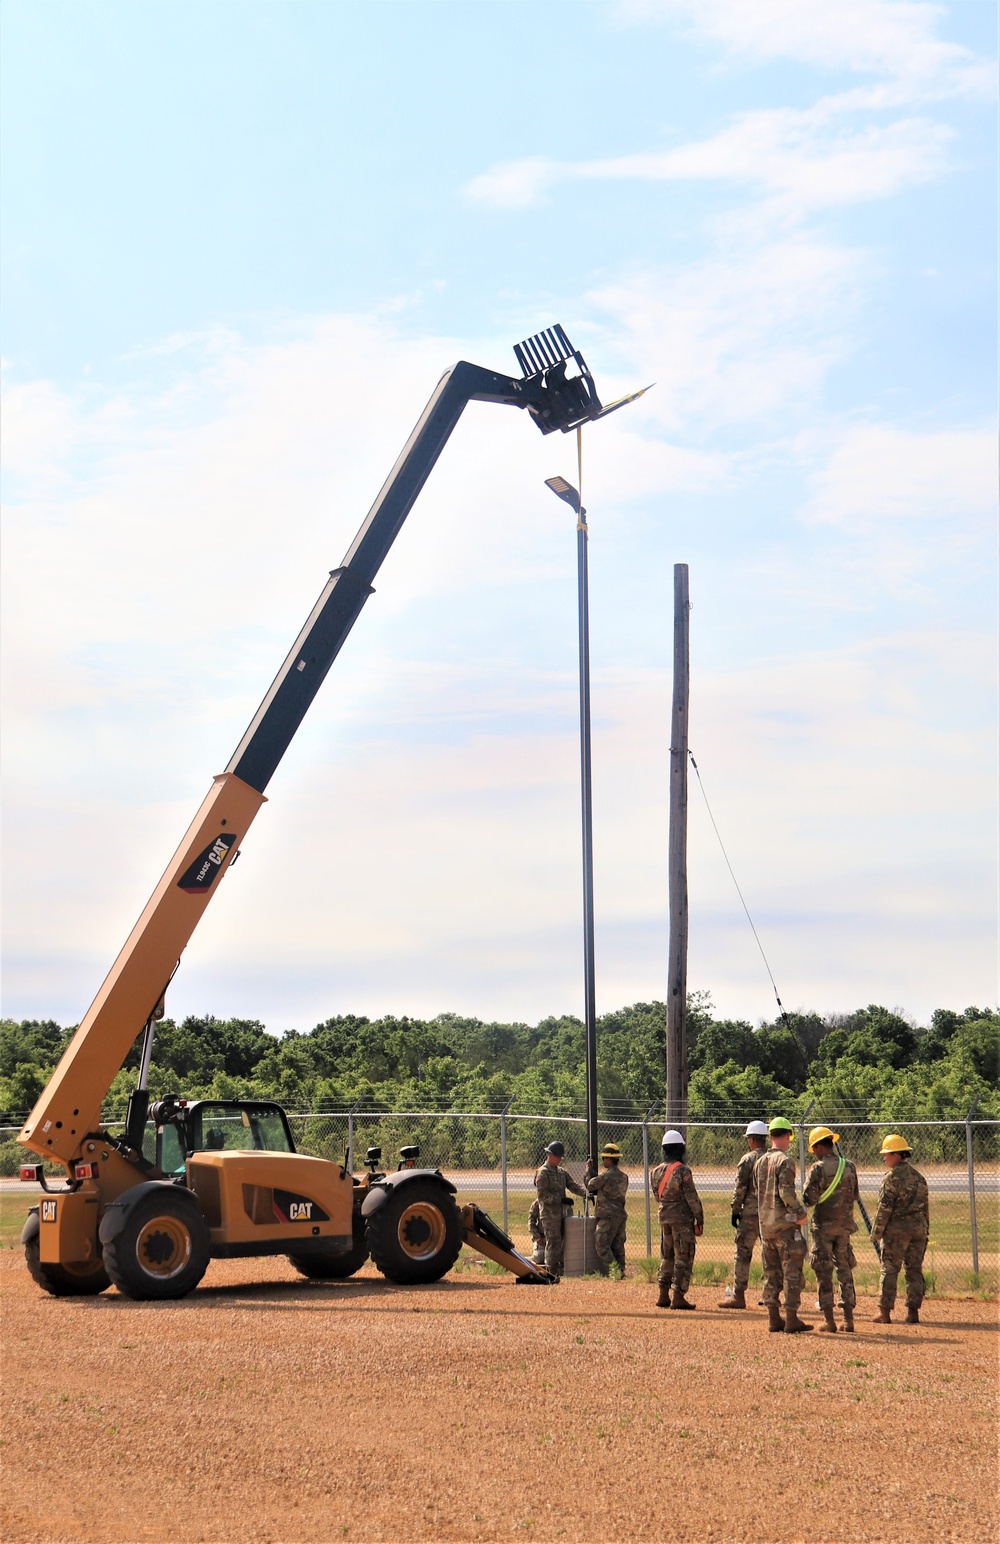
column 874, row 1063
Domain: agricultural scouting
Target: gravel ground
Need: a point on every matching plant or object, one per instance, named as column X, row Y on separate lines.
column 264, row 1408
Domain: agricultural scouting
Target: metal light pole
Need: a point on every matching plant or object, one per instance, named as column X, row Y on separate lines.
column 566, row 491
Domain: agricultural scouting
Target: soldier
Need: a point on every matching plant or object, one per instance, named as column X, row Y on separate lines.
column 832, row 1187
column 609, row 1188
column 901, row 1225
column 681, row 1221
column 536, row 1233
column 744, row 1214
column 551, row 1183
column 782, row 1242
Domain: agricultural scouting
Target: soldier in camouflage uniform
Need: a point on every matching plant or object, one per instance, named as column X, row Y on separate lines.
column 901, row 1226
column 783, row 1244
column 682, row 1220
column 551, row 1184
column 744, row 1214
column 609, row 1188
column 832, row 1187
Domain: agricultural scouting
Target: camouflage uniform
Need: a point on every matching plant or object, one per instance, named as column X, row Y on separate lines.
column 609, row 1187
column 745, row 1208
column 680, row 1212
column 551, row 1185
column 902, row 1223
column 536, row 1234
column 832, row 1226
column 781, row 1215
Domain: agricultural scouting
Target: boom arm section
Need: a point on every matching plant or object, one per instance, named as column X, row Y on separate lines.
column 69, row 1107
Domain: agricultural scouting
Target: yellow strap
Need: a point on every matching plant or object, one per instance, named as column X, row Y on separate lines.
column 581, row 523
column 831, row 1187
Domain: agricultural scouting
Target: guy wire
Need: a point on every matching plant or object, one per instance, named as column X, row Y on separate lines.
column 739, row 892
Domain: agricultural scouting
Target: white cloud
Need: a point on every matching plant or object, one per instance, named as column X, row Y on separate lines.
column 884, row 37
column 799, row 159
column 879, row 472
column 745, row 335
column 841, row 150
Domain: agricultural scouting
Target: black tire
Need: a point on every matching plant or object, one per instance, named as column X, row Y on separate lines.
column 335, row 1267
column 84, row 1280
column 416, row 1235
column 163, row 1249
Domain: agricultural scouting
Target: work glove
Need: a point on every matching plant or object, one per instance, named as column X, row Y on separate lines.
column 591, row 1169
column 735, row 1219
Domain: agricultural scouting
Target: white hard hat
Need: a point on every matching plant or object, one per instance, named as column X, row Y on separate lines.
column 672, row 1139
column 756, row 1128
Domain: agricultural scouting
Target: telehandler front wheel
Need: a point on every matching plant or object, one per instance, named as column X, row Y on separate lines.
column 83, row 1280
column 163, row 1248
column 416, row 1236
column 335, row 1267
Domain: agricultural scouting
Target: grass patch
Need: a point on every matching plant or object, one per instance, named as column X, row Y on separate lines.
column 13, row 1211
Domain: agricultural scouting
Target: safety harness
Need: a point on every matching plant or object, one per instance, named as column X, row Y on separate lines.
column 667, row 1176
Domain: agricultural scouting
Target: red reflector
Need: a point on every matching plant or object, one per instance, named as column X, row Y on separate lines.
column 85, row 1171
column 29, row 1172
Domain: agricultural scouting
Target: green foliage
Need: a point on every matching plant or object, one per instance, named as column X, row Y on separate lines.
column 871, row 1064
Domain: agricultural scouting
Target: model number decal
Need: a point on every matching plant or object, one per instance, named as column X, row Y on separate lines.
column 199, row 876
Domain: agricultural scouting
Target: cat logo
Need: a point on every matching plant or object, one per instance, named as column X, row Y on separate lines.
column 300, row 1211
column 49, row 1211
column 199, row 876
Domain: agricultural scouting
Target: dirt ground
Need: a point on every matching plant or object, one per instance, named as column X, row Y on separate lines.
column 265, row 1408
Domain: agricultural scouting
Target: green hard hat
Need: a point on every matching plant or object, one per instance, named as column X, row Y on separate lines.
column 779, row 1126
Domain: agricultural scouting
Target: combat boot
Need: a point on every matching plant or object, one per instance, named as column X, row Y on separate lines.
column 775, row 1323
column 738, row 1300
column 829, row 1325
column 663, row 1300
column 796, row 1326
column 882, row 1317
column 913, row 1316
column 848, row 1321
column 680, row 1301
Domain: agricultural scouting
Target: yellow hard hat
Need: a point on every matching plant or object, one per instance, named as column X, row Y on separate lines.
column 895, row 1144
column 821, row 1134
column 609, row 1150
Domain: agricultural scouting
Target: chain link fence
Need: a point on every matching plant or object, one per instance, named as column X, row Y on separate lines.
column 492, row 1158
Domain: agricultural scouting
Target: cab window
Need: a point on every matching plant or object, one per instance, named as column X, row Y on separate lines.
column 223, row 1128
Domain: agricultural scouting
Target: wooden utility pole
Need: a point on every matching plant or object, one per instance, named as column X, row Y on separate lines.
column 677, row 1069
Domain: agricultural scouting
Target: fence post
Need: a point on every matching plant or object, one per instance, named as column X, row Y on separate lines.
column 350, row 1133
column 970, row 1161
column 645, row 1174
column 802, row 1154
column 503, row 1159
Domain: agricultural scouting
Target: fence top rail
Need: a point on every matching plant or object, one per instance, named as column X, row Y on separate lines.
column 580, row 1120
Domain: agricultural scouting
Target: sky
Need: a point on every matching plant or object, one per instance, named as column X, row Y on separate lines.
column 243, row 241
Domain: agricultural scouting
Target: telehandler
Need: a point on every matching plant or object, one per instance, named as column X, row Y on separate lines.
column 223, row 1179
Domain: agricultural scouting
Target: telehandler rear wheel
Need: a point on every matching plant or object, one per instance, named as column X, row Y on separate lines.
column 163, row 1248
column 83, row 1280
column 335, row 1267
column 417, row 1235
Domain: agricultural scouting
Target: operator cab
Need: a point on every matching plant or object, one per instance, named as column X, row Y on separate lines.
column 217, row 1125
